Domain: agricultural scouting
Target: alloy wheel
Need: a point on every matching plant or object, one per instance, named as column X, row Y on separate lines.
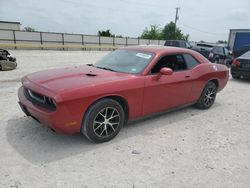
column 209, row 96
column 106, row 122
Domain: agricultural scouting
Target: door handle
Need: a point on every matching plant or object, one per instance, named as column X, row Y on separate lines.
column 187, row 76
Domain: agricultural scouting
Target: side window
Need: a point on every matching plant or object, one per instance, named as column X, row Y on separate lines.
column 182, row 44
column 190, row 61
column 226, row 51
column 221, row 50
column 218, row 50
column 188, row 45
column 175, row 62
column 174, row 43
column 215, row 50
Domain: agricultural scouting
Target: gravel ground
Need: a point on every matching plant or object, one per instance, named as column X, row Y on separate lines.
column 184, row 148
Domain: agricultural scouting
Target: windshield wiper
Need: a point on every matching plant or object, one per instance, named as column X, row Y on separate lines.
column 105, row 68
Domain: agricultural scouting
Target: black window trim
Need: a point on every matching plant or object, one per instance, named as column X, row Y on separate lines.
column 160, row 57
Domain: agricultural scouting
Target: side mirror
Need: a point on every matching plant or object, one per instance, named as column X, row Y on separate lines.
column 166, row 71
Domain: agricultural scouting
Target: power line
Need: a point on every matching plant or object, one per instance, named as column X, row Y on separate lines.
column 202, row 31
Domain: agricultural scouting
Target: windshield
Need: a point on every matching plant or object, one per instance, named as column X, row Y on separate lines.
column 128, row 61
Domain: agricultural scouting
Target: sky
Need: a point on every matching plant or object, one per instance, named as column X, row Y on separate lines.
column 207, row 20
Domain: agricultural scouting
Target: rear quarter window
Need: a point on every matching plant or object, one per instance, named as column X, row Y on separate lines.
column 190, row 61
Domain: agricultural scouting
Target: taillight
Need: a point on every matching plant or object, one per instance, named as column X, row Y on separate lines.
column 236, row 63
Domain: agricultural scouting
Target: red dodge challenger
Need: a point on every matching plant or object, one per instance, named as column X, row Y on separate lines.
column 132, row 82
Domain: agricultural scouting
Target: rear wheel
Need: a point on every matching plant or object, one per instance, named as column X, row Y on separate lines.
column 208, row 96
column 103, row 121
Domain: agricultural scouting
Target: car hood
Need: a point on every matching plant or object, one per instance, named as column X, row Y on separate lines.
column 70, row 78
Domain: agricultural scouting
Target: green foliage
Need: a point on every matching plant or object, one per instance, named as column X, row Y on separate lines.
column 172, row 33
column 106, row 33
column 222, row 42
column 154, row 33
column 29, row 29
column 118, row 36
column 169, row 32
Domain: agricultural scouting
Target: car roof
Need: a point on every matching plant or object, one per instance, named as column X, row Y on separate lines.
column 159, row 49
column 177, row 40
column 163, row 50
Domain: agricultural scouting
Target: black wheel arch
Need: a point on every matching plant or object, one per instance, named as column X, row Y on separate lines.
column 215, row 81
column 121, row 100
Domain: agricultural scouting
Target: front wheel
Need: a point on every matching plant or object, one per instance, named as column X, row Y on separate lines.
column 208, row 96
column 103, row 121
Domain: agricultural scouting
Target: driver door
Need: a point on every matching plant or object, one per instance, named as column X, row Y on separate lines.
column 167, row 91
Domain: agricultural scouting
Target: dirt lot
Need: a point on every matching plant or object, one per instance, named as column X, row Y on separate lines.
column 185, row 148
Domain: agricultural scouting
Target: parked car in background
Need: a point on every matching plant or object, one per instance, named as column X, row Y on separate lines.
column 129, row 83
column 220, row 55
column 241, row 66
column 6, row 61
column 203, row 49
column 178, row 43
column 244, row 49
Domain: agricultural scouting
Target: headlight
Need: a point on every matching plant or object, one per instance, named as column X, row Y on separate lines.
column 51, row 102
column 54, row 102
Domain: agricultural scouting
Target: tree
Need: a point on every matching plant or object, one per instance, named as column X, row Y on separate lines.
column 171, row 33
column 119, row 36
column 222, row 41
column 29, row 29
column 155, row 33
column 105, row 33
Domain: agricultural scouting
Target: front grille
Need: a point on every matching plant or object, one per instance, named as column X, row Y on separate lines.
column 39, row 99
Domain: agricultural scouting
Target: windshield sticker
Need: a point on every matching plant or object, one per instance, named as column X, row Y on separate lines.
column 145, row 56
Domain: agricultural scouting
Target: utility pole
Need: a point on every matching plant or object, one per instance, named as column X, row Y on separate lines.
column 176, row 18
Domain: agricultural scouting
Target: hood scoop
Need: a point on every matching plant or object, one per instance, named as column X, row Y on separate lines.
column 90, row 74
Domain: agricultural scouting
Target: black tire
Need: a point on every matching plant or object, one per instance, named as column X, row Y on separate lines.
column 103, row 121
column 208, row 96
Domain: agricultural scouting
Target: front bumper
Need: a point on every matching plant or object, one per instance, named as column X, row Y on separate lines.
column 61, row 120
